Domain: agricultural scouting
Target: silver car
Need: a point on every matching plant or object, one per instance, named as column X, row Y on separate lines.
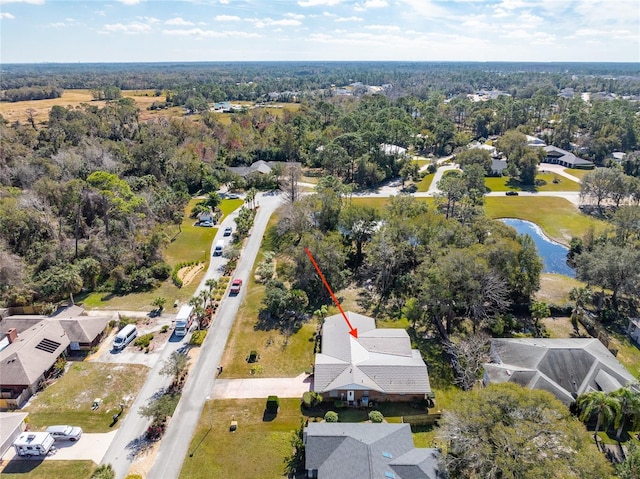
column 68, row 433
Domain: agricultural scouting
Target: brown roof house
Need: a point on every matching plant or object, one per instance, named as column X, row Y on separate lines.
column 367, row 451
column 378, row 365
column 565, row 367
column 32, row 345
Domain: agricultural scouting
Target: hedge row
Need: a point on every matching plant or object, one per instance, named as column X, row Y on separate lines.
column 176, row 269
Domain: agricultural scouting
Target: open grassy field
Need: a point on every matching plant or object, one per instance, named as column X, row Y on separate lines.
column 502, row 183
column 559, row 219
column 280, row 356
column 255, row 451
column 555, row 288
column 69, row 399
column 192, row 244
column 47, row 469
column 579, row 173
column 17, row 111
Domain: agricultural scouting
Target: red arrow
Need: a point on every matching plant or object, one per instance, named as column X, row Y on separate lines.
column 352, row 331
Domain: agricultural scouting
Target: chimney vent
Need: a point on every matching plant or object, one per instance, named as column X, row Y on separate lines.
column 12, row 335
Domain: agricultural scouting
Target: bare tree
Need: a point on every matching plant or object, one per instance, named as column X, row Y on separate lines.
column 470, row 353
column 289, row 181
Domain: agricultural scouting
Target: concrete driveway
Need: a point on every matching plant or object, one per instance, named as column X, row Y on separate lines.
column 91, row 446
column 262, row 387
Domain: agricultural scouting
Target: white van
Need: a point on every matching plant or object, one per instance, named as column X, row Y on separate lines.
column 217, row 251
column 33, row 444
column 125, row 336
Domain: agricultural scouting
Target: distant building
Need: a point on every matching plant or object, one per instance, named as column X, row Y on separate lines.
column 388, row 149
column 633, row 329
column 565, row 367
column 558, row 156
column 535, row 141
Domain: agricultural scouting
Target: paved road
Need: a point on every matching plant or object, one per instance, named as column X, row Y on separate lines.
column 200, row 382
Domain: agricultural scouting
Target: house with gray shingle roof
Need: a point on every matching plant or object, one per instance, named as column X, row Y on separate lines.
column 365, row 450
column 33, row 343
column 558, row 156
column 261, row 167
column 565, row 367
column 377, row 365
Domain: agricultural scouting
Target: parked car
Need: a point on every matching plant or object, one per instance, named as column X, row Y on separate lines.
column 511, row 193
column 236, row 284
column 228, row 230
column 233, row 196
column 206, row 224
column 69, row 433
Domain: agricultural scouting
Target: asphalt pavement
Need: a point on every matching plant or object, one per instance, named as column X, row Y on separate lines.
column 202, row 377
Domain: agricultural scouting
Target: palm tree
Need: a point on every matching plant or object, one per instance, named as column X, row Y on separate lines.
column 604, row 405
column 629, row 402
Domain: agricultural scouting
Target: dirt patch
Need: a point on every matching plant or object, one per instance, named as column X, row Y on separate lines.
column 188, row 273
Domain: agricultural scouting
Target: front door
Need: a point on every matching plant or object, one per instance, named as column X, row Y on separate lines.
column 350, row 396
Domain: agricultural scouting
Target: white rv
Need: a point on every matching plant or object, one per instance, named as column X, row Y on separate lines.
column 33, row 444
column 184, row 318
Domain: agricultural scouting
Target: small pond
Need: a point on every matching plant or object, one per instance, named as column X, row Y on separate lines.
column 554, row 255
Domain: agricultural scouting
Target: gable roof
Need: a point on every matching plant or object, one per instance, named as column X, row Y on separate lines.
column 565, row 367
column 260, row 166
column 365, row 450
column 558, row 154
column 32, row 353
column 379, row 359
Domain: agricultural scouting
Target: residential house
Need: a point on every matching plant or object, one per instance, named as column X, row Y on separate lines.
column 565, row 367
column 261, row 167
column 534, row 141
column 633, row 329
column 365, row 450
column 206, row 216
column 12, row 424
column 32, row 345
column 389, row 149
column 617, row 156
column 378, row 365
column 558, row 156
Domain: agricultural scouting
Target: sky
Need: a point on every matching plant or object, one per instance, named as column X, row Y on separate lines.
column 34, row 31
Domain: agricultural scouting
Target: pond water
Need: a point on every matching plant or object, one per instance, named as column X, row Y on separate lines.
column 554, row 255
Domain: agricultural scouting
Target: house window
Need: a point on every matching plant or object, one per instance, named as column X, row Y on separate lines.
column 333, row 394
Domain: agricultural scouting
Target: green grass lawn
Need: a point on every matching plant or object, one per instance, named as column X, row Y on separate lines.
column 256, row 450
column 425, row 183
column 69, row 399
column 559, row 219
column 577, row 172
column 502, row 183
column 47, row 469
column 192, row 244
column 555, row 288
column 279, row 356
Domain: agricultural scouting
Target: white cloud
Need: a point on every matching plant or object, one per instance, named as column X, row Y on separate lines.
column 318, row 3
column 58, row 24
column 198, row 32
column 178, row 21
column 297, row 16
column 425, row 8
column 130, row 2
column 268, row 22
column 530, row 19
column 151, row 20
column 32, row 2
column 383, row 28
column 133, row 27
column 6, row 15
column 367, row 4
column 227, row 18
column 349, row 19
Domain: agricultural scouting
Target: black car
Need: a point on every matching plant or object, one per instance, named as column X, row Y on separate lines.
column 511, row 193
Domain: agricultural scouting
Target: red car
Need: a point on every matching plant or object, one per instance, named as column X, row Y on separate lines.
column 236, row 284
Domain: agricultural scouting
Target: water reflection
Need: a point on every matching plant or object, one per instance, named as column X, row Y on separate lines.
column 554, row 255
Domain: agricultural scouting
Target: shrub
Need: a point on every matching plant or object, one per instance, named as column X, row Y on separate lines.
column 143, row 341
column 164, row 328
column 161, row 271
column 273, row 404
column 311, row 399
column 197, row 338
column 104, row 471
column 133, row 476
column 331, row 416
column 338, row 404
column 375, row 416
